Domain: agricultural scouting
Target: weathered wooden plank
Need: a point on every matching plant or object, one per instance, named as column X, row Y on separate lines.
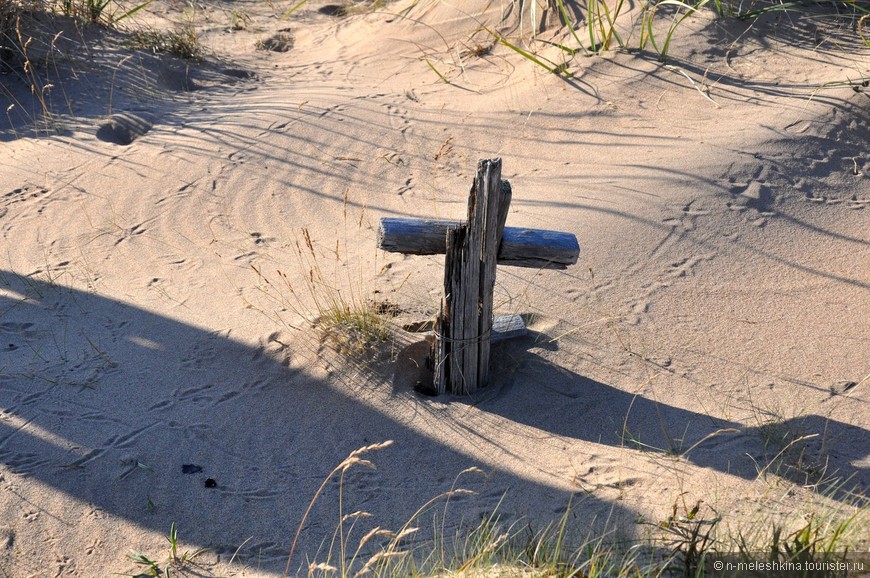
column 506, row 327
column 443, row 354
column 520, row 247
column 462, row 343
column 464, row 380
column 497, row 196
column 454, row 361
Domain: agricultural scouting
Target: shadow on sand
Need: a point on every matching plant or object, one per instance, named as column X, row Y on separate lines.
column 123, row 414
column 127, row 413
column 809, row 450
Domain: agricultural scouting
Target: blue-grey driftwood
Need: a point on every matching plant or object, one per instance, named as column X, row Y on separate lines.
column 520, row 247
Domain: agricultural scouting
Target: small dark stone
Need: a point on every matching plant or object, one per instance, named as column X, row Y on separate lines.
column 190, row 469
column 210, row 483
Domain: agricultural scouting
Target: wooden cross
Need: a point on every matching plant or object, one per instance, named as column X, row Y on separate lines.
column 463, row 331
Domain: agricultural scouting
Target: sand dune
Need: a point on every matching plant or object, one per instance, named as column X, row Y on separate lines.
column 718, row 313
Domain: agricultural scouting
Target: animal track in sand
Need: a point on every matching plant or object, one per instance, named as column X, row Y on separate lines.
column 756, row 195
column 687, row 220
column 133, row 231
column 182, row 192
column 409, row 185
column 338, row 108
column 15, row 334
column 198, row 394
column 23, row 463
column 685, row 267
column 834, row 145
column 237, row 157
column 22, row 194
column 126, row 440
column 16, row 328
column 248, row 255
column 259, row 239
column 94, row 547
column 677, row 270
column 257, row 494
column 201, row 354
column 398, row 118
column 66, row 566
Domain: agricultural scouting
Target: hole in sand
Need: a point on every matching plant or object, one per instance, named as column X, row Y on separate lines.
column 278, row 42
column 333, row 10
column 125, row 127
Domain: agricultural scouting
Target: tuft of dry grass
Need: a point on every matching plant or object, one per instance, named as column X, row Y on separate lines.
column 182, row 42
column 352, row 322
column 9, row 13
column 331, row 296
column 685, row 543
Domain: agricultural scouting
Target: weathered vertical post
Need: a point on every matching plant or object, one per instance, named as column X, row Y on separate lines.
column 464, row 326
column 495, row 221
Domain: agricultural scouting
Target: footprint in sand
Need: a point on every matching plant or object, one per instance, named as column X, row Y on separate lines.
column 125, row 127
column 601, row 473
column 754, row 195
column 7, row 540
column 333, row 10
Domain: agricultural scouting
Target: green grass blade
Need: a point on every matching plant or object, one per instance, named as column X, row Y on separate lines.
column 552, row 67
column 590, row 25
column 611, row 23
column 563, row 48
column 677, row 21
column 644, row 18
column 602, row 32
column 649, row 28
column 436, row 71
column 293, row 9
column 566, row 18
column 861, row 30
column 133, row 10
column 529, row 56
column 785, row 6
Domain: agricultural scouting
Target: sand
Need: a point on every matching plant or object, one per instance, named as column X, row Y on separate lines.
column 711, row 343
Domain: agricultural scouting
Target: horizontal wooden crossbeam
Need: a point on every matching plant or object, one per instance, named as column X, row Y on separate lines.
column 520, row 247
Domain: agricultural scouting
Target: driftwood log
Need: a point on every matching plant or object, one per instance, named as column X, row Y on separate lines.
column 520, row 247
